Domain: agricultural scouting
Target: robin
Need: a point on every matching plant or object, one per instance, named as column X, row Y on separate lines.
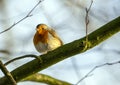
column 46, row 39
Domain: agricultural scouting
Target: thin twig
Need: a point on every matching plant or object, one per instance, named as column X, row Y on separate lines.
column 87, row 19
column 25, row 56
column 75, row 67
column 28, row 15
column 86, row 24
column 117, row 62
column 7, row 73
column 4, row 51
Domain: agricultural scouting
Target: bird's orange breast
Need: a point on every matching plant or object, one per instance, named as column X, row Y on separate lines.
column 40, row 38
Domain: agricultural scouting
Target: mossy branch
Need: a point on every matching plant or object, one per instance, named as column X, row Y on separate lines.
column 42, row 78
column 7, row 73
column 65, row 51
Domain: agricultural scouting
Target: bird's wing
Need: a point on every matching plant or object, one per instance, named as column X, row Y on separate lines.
column 54, row 34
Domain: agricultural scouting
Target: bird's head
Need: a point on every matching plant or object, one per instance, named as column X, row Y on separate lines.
column 41, row 28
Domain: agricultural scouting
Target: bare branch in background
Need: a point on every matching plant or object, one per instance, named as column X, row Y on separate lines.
column 75, row 67
column 87, row 19
column 113, row 63
column 4, row 51
column 7, row 73
column 28, row 15
column 86, row 24
column 25, row 56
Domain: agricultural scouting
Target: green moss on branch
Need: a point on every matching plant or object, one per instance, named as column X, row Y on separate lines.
column 42, row 78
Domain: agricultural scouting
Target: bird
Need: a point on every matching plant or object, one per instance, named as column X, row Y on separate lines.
column 46, row 39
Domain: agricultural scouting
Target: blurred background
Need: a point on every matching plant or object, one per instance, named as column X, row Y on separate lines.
column 67, row 17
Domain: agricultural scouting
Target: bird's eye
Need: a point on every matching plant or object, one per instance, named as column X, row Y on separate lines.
column 42, row 27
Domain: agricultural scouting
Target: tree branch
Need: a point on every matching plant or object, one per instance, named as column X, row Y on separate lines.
column 42, row 78
column 7, row 74
column 22, row 57
column 113, row 63
column 65, row 51
column 28, row 15
column 87, row 19
column 4, row 51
